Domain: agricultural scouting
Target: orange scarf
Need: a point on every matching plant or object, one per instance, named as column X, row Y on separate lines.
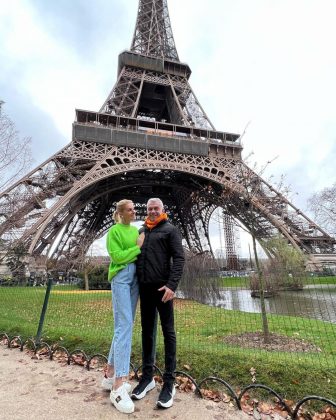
column 150, row 224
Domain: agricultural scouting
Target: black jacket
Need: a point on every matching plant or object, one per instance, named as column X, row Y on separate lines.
column 162, row 257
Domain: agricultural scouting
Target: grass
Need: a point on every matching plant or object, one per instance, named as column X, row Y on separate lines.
column 78, row 319
column 321, row 280
column 244, row 282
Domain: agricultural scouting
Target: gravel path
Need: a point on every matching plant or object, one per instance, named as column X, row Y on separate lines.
column 44, row 389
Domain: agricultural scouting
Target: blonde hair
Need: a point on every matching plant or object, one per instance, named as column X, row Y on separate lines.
column 119, row 208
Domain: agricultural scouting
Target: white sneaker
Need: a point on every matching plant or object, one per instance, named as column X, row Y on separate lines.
column 107, row 384
column 121, row 400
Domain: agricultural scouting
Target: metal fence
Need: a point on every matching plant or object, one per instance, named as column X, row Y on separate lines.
column 219, row 329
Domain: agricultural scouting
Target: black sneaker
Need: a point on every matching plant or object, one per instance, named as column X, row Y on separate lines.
column 144, row 386
column 166, row 395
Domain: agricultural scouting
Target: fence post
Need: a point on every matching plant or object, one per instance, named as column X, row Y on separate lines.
column 44, row 310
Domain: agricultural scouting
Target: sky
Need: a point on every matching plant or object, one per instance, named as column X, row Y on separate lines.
column 265, row 68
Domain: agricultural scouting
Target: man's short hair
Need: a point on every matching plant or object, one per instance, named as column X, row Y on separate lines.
column 158, row 200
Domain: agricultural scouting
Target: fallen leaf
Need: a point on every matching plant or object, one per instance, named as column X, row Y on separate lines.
column 264, row 408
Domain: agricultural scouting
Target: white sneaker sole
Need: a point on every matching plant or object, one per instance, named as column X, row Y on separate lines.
column 168, row 403
column 122, row 409
column 148, row 388
column 126, row 407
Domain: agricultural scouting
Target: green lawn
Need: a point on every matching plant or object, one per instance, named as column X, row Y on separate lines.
column 321, row 280
column 78, row 319
column 243, row 282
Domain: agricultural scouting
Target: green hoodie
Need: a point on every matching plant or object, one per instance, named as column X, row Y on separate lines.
column 121, row 246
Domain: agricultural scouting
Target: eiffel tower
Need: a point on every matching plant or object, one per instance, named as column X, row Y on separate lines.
column 151, row 137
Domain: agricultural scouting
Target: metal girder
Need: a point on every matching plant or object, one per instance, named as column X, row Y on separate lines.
column 153, row 34
column 160, row 96
column 27, row 200
column 135, row 185
column 67, row 202
column 229, row 175
column 224, row 184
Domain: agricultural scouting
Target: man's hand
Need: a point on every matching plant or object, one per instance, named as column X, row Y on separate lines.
column 168, row 294
column 141, row 239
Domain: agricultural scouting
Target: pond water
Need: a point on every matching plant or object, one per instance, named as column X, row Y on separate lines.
column 314, row 301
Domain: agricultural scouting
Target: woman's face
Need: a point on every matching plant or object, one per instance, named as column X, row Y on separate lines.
column 127, row 214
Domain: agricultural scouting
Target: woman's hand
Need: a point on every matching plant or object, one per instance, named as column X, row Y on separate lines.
column 141, row 239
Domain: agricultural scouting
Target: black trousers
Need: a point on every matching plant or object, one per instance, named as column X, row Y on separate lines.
column 150, row 302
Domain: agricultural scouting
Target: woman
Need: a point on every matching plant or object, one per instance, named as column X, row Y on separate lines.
column 123, row 245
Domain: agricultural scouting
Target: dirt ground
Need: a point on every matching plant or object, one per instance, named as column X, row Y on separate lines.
column 44, row 389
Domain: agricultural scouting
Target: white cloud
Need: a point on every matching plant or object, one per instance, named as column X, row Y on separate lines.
column 268, row 63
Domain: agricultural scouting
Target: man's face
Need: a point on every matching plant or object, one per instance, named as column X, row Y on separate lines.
column 154, row 209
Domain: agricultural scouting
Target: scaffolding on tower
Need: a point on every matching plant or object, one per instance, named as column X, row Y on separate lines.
column 230, row 245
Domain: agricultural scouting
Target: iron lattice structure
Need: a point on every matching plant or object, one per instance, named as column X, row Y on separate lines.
column 151, row 137
column 231, row 255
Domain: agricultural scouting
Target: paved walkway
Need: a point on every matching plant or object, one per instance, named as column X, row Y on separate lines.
column 44, row 389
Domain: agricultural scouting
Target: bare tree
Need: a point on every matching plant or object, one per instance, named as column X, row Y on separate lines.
column 15, row 151
column 323, row 204
column 252, row 187
column 286, row 270
column 200, row 277
column 15, row 261
column 87, row 266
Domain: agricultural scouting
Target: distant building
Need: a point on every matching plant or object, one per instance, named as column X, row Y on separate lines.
column 100, row 260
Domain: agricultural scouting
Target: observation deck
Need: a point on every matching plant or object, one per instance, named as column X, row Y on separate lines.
column 144, row 133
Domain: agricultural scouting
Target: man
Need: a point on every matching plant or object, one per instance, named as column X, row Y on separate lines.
column 159, row 269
